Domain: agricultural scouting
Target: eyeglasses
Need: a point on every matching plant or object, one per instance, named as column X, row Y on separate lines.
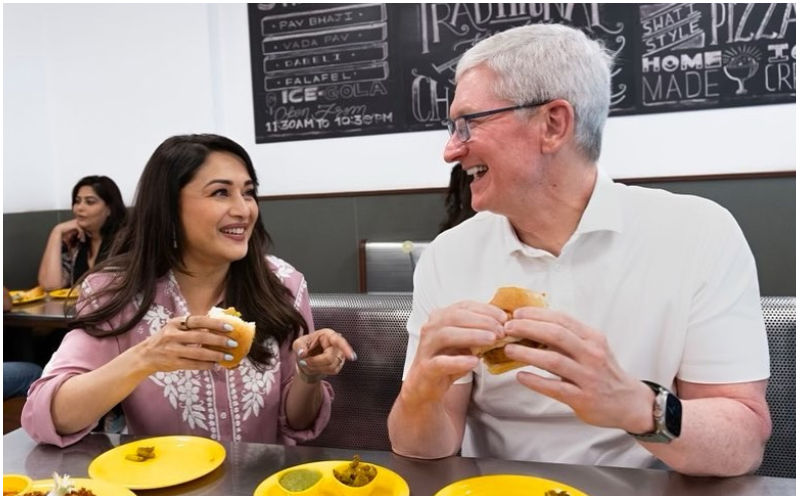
column 460, row 125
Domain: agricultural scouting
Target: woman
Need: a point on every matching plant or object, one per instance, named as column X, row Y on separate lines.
column 77, row 245
column 459, row 199
column 194, row 240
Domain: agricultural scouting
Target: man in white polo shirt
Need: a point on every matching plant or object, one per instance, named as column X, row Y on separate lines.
column 657, row 348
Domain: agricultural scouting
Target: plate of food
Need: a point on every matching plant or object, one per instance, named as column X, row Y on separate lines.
column 158, row 462
column 508, row 485
column 65, row 293
column 25, row 296
column 334, row 477
column 75, row 486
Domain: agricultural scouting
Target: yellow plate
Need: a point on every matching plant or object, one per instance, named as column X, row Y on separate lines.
column 178, row 459
column 387, row 482
column 15, row 484
column 506, row 484
column 64, row 293
column 25, row 296
column 98, row 487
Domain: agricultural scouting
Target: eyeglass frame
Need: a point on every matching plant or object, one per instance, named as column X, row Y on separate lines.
column 452, row 128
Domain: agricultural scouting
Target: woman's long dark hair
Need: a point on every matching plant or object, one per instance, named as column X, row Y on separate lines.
column 108, row 191
column 459, row 199
column 149, row 245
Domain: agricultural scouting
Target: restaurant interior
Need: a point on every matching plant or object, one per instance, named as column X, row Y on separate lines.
column 94, row 88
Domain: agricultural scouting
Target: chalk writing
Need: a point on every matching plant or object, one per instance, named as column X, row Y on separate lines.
column 716, row 54
column 330, row 70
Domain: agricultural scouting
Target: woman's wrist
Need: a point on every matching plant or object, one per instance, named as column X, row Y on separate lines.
column 305, row 377
column 138, row 366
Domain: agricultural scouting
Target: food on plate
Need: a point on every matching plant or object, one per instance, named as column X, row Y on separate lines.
column 21, row 296
column 297, row 480
column 62, row 486
column 75, row 492
column 509, row 299
column 243, row 332
column 355, row 473
column 65, row 293
column 556, row 492
column 142, row 453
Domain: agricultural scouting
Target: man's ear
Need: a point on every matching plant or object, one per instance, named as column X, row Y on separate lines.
column 559, row 125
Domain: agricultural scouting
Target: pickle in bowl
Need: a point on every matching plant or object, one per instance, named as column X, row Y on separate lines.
column 357, row 477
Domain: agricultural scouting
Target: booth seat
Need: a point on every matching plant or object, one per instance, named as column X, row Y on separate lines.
column 375, row 325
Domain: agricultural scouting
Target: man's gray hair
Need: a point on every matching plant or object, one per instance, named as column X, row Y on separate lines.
column 539, row 62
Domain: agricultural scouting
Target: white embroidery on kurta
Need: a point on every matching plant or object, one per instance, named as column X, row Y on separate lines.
column 283, row 269
column 192, row 392
column 182, row 390
column 253, row 386
column 302, row 291
column 156, row 317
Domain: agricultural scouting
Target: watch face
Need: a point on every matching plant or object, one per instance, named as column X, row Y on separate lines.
column 672, row 415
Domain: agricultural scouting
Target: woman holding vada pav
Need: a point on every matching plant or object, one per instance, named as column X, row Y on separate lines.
column 143, row 337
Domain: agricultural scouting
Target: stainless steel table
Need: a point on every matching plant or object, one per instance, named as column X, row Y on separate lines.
column 48, row 313
column 247, row 464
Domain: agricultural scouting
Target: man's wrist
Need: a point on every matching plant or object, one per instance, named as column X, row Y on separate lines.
column 667, row 416
column 641, row 420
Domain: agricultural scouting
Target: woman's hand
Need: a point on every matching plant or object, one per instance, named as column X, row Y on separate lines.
column 321, row 353
column 186, row 343
column 51, row 275
column 70, row 232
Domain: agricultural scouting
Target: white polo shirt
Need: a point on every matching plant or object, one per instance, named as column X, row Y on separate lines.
column 669, row 279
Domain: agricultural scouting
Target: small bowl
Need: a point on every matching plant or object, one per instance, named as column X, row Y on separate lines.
column 16, row 484
column 344, row 489
column 312, row 478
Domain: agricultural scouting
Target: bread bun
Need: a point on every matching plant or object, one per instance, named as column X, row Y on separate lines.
column 243, row 333
column 509, row 299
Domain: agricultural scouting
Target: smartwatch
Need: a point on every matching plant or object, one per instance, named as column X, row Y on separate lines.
column 666, row 416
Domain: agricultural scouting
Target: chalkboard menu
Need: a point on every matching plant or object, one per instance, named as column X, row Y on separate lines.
column 337, row 70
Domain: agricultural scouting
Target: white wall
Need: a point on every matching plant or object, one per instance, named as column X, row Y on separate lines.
column 94, row 88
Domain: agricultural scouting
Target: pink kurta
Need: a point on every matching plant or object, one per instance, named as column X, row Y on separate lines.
column 242, row 404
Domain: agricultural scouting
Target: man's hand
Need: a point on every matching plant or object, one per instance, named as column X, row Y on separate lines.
column 591, row 381
column 444, row 353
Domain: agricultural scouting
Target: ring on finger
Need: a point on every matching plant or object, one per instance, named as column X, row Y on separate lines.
column 185, row 323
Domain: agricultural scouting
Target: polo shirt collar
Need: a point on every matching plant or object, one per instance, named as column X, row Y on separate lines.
column 602, row 213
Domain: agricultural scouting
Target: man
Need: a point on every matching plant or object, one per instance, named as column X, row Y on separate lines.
column 642, row 285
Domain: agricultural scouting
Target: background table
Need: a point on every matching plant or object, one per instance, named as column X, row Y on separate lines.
column 48, row 312
column 247, row 464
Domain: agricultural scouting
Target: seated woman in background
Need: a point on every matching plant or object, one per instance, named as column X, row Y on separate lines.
column 459, row 199
column 194, row 240
column 77, row 245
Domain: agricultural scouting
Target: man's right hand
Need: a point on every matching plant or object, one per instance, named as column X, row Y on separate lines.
column 444, row 353
column 429, row 415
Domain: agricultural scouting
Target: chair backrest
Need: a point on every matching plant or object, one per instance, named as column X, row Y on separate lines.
column 388, row 266
column 375, row 326
column 780, row 319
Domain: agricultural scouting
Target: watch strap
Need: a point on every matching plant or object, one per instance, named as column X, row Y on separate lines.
column 661, row 434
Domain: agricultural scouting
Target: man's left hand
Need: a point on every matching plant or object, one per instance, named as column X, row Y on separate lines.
column 590, row 380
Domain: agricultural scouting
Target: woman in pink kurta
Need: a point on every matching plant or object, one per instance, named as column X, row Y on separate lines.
column 152, row 359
